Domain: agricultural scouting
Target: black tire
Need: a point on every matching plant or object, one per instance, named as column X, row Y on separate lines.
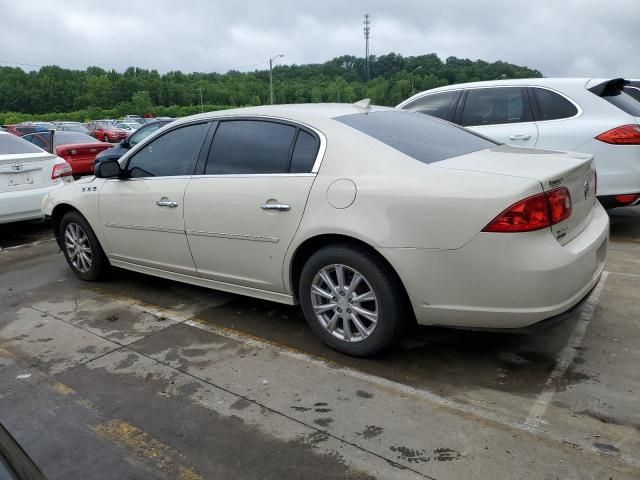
column 99, row 264
column 106, row 138
column 393, row 312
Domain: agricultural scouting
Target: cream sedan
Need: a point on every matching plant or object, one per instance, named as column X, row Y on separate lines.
column 371, row 218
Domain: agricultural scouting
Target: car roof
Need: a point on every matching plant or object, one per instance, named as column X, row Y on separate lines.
column 298, row 111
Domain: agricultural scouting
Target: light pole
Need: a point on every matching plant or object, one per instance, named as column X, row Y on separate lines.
column 411, row 78
column 271, row 60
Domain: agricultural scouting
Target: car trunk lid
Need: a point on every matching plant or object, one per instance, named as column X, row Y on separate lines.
column 552, row 169
column 25, row 171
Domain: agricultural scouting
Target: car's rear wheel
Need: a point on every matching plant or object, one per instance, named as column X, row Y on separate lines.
column 352, row 300
column 81, row 248
column 106, row 138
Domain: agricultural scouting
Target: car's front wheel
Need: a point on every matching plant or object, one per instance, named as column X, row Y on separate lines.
column 353, row 300
column 81, row 247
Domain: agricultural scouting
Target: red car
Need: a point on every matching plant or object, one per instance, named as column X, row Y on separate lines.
column 21, row 129
column 78, row 149
column 106, row 131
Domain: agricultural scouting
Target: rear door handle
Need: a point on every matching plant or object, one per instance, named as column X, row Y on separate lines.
column 283, row 207
column 167, row 203
column 520, row 136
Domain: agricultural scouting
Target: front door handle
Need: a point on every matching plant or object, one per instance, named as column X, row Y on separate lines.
column 167, row 203
column 520, row 136
column 283, row 207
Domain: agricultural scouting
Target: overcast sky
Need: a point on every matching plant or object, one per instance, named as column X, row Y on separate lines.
column 557, row 37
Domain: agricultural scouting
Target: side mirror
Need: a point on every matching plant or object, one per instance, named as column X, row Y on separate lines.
column 108, row 169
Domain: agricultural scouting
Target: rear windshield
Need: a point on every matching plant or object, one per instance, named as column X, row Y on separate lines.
column 425, row 138
column 64, row 138
column 624, row 102
column 12, row 145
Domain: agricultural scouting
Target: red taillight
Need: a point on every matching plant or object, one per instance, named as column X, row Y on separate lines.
column 61, row 170
column 624, row 135
column 627, row 199
column 533, row 213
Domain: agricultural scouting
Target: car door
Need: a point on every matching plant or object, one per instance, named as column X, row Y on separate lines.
column 501, row 113
column 142, row 215
column 241, row 214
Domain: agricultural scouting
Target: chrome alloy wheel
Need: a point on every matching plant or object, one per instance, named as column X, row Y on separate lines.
column 344, row 303
column 78, row 247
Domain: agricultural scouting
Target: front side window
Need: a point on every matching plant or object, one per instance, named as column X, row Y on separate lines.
column 440, row 105
column 494, row 106
column 250, row 147
column 552, row 106
column 174, row 153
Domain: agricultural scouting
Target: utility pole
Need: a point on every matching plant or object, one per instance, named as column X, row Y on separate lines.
column 271, row 60
column 367, row 31
column 201, row 104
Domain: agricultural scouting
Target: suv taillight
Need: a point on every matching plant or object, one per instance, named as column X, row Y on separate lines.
column 623, row 135
column 61, row 170
column 533, row 213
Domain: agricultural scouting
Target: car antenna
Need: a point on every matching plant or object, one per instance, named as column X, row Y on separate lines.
column 364, row 104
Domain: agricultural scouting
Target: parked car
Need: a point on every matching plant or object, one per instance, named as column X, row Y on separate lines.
column 22, row 129
column 79, row 149
column 128, row 126
column 72, row 127
column 369, row 217
column 104, row 130
column 115, row 152
column 594, row 116
column 27, row 174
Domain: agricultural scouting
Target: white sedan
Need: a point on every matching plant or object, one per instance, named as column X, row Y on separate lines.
column 27, row 174
column 370, row 218
column 595, row 116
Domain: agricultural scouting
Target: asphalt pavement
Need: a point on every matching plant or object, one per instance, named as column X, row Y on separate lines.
column 139, row 377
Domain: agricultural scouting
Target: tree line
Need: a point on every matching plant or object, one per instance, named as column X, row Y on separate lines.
column 55, row 93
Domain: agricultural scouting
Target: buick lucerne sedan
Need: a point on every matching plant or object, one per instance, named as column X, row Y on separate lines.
column 371, row 218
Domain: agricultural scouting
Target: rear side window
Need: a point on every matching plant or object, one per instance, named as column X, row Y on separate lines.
column 250, row 147
column 12, row 145
column 304, row 153
column 440, row 105
column 422, row 137
column 174, row 153
column 552, row 106
column 495, row 106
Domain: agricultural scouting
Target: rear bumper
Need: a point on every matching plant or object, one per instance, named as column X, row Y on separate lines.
column 503, row 281
column 24, row 204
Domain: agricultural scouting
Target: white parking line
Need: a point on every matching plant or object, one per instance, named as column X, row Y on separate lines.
column 566, row 357
column 26, row 245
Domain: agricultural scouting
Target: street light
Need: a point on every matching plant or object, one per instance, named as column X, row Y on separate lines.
column 411, row 78
column 271, row 60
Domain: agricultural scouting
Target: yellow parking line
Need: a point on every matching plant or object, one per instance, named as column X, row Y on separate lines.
column 142, row 444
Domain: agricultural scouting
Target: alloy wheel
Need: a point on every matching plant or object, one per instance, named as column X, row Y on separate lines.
column 78, row 247
column 344, row 303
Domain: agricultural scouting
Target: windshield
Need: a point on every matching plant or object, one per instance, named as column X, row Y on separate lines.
column 12, row 145
column 420, row 136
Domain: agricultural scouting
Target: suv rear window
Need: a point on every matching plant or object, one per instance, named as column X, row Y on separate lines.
column 624, row 102
column 12, row 145
column 425, row 138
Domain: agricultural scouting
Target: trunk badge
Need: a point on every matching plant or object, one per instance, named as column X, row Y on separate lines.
column 17, row 166
column 587, row 187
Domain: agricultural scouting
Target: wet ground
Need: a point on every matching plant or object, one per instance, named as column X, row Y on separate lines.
column 139, row 377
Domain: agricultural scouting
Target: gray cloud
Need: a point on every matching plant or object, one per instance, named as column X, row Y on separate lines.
column 559, row 38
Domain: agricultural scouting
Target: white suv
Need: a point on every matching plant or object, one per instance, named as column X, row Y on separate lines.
column 595, row 116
